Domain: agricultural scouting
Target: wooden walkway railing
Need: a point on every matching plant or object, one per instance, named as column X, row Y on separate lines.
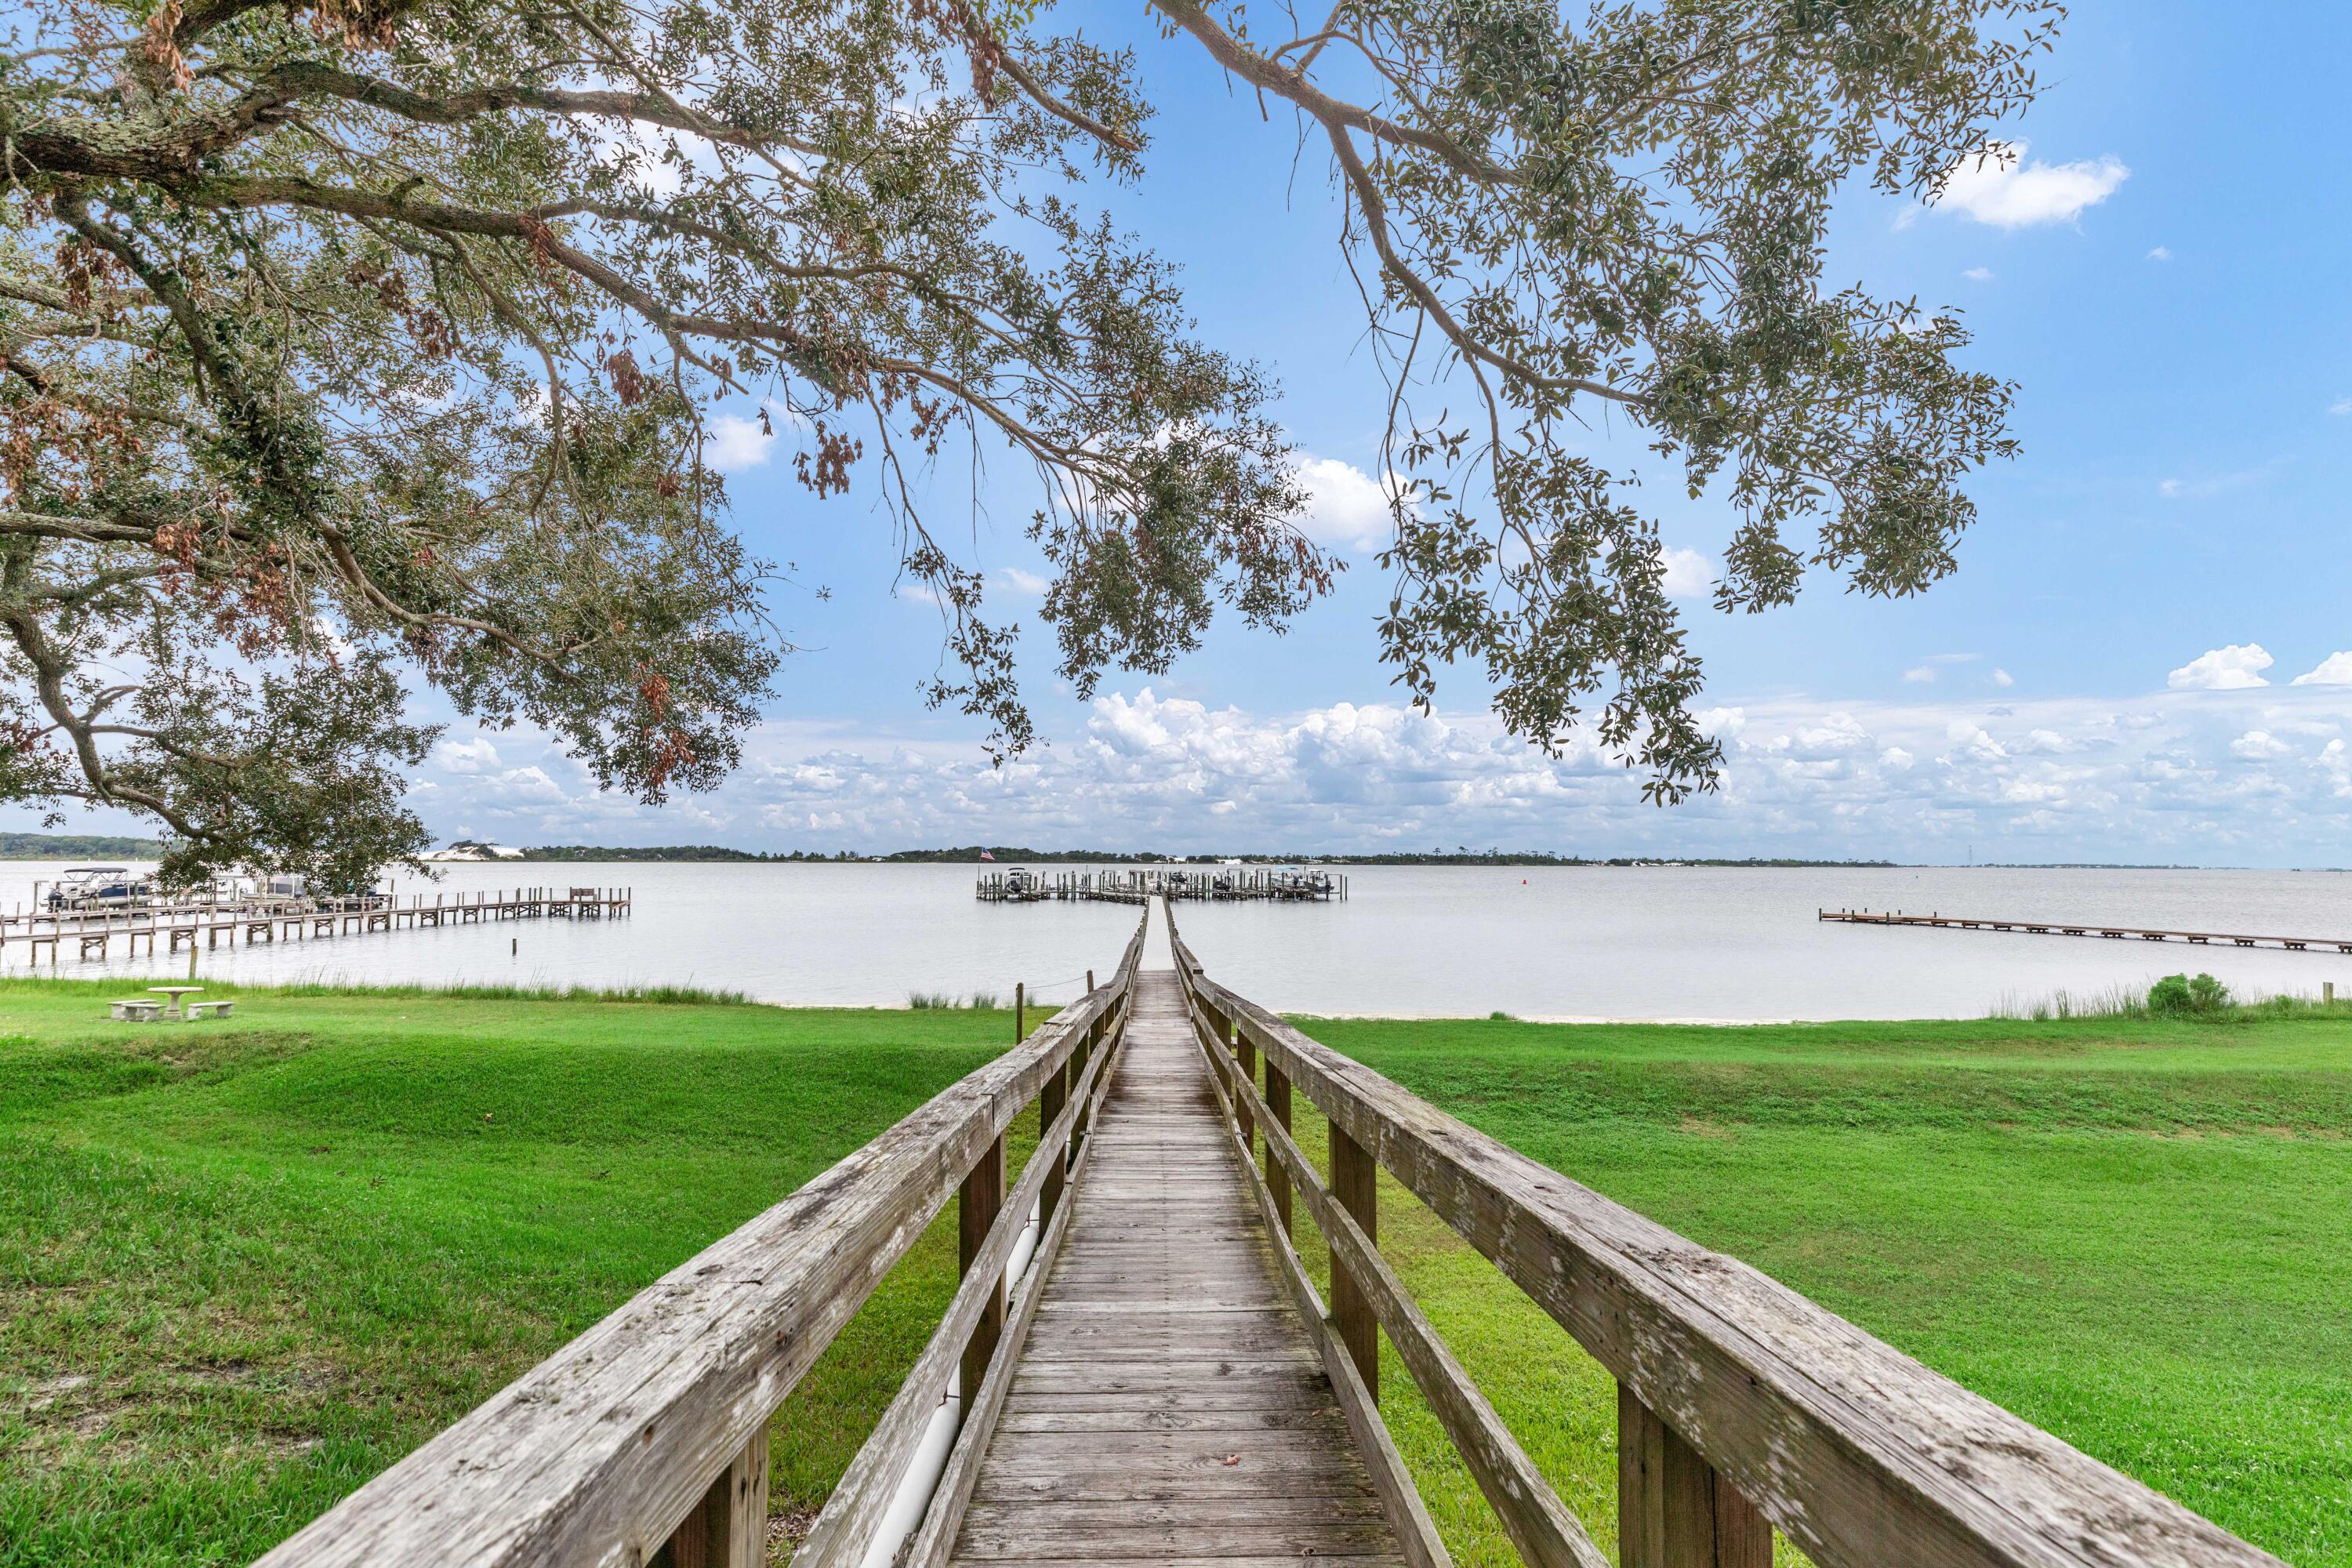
column 646, row 1437
column 1103, row 1434
column 1741, row 1406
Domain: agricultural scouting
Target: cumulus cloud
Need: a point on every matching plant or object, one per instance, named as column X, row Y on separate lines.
column 529, row 786
column 1920, row 675
column 1979, row 275
column 2230, row 669
column 1689, row 574
column 2162, row 253
column 734, row 445
column 2003, row 680
column 2166, row 776
column 2335, row 670
column 1999, row 186
column 1019, row 581
column 1346, row 507
column 2341, row 406
column 473, row 756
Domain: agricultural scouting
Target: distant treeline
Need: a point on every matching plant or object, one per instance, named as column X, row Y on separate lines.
column 1023, row 854
column 668, row 852
column 76, row 846
column 95, row 847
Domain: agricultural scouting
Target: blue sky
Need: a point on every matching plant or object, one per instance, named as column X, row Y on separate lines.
column 2109, row 676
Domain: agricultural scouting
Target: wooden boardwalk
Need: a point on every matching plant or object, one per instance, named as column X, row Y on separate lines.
column 1168, row 1405
column 1137, row 1368
column 2082, row 928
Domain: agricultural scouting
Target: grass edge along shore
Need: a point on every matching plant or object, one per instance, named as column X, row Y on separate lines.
column 245, row 1264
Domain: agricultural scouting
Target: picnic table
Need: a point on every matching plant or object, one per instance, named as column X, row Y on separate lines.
column 177, row 1007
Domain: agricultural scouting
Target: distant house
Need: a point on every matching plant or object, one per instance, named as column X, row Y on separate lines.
column 474, row 849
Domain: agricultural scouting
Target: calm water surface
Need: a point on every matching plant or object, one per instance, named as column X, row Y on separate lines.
column 1668, row 943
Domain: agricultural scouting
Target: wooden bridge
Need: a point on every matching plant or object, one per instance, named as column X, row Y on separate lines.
column 1138, row 1368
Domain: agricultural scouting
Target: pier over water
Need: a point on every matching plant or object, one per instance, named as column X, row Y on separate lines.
column 1140, row 885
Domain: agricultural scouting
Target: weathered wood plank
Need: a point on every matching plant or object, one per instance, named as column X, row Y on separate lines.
column 1672, row 1509
column 978, row 1200
column 1236, row 1511
column 1024, row 1417
column 1213, row 1534
column 1355, row 1187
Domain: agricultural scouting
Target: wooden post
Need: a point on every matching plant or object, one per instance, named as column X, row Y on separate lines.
column 1672, row 1509
column 2328, row 993
column 1244, row 1053
column 1354, row 1179
column 1020, row 1005
column 1277, row 1174
column 977, row 1201
column 1090, row 981
column 729, row 1528
column 1050, row 1100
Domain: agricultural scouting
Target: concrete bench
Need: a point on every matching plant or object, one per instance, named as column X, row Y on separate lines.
column 209, row 1009
column 137, row 1012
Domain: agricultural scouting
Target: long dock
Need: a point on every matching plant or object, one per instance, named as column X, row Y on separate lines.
column 1139, row 885
column 1138, row 1366
column 91, row 934
column 2084, row 928
column 1168, row 1402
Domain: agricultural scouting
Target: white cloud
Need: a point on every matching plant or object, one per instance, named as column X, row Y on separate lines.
column 1689, row 574
column 2340, row 407
column 2166, row 776
column 2214, row 485
column 1019, row 581
column 733, row 444
column 470, row 757
column 2162, row 253
column 1919, row 675
column 529, row 786
column 2003, row 680
column 2335, row 670
column 1999, row 187
column 2230, row 669
column 1979, row 275
column 1346, row 507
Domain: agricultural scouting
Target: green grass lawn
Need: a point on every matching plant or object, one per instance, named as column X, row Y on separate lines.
column 246, row 1265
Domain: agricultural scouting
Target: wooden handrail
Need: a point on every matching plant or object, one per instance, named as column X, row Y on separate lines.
column 1740, row 1399
column 1539, row 1525
column 656, row 1417
column 845, row 1527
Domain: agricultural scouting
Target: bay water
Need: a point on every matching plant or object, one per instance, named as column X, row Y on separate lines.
column 1583, row 943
